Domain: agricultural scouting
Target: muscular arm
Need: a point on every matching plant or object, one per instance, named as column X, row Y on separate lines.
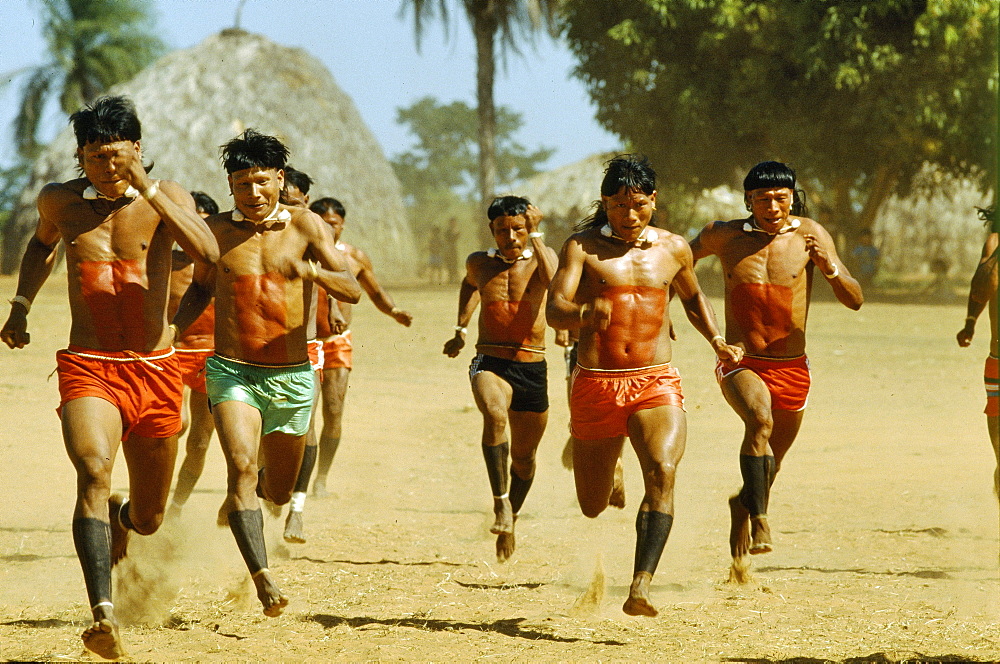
column 823, row 254
column 178, row 211
column 703, row 245
column 561, row 312
column 381, row 299
column 333, row 272
column 197, row 296
column 982, row 288
column 547, row 259
column 468, row 300
column 36, row 265
column 697, row 307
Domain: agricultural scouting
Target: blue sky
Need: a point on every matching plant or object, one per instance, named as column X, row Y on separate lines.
column 371, row 52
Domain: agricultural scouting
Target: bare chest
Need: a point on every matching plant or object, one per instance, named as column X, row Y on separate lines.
column 126, row 233
column 781, row 261
column 647, row 268
column 499, row 282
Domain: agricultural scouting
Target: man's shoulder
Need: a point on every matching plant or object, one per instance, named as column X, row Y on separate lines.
column 60, row 189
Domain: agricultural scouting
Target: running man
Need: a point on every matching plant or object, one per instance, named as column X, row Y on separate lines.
column 259, row 381
column 983, row 292
column 613, row 286
column 333, row 318
column 193, row 346
column 119, row 379
column 508, row 373
column 768, row 260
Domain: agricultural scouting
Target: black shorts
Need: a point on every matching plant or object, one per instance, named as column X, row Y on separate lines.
column 528, row 379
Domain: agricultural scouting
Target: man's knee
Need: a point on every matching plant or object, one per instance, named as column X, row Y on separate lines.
column 760, row 422
column 592, row 510
column 145, row 523
column 94, row 473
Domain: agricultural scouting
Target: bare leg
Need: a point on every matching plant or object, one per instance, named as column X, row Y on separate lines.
column 594, row 472
column 196, row 448
column 334, row 390
column 294, row 532
column 992, row 425
column 492, row 395
column 526, row 430
column 658, row 437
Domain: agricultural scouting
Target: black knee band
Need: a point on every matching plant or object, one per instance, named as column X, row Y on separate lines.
column 92, row 539
column 306, row 469
column 518, row 490
column 496, row 467
column 124, row 518
column 651, row 532
column 248, row 529
column 757, row 477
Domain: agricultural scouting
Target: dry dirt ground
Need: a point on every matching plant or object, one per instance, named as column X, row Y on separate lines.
column 885, row 524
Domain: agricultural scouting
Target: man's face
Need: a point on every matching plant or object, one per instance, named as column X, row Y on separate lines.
column 294, row 196
column 336, row 223
column 510, row 234
column 629, row 212
column 102, row 164
column 255, row 191
column 770, row 207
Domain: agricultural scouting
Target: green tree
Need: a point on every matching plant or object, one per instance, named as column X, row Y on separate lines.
column 442, row 166
column 92, row 44
column 858, row 95
column 503, row 23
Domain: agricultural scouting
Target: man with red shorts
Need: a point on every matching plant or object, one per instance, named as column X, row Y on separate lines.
column 333, row 317
column 613, row 286
column 983, row 292
column 768, row 260
column 119, row 379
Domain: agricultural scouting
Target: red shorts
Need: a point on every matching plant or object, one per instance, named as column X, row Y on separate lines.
column 316, row 352
column 992, row 378
column 787, row 380
column 337, row 351
column 192, row 363
column 601, row 401
column 147, row 392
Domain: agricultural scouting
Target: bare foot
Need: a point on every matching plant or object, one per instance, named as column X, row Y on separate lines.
column 739, row 571
column 567, row 454
column 761, row 535
column 739, row 528
column 504, row 522
column 268, row 593
column 506, row 544
column 102, row 636
column 293, row 528
column 119, row 533
column 319, row 488
column 617, row 498
column 222, row 519
column 638, row 603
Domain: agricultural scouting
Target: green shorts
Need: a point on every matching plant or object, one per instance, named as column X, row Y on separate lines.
column 283, row 395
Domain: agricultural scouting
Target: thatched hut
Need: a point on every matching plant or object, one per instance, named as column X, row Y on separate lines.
column 192, row 101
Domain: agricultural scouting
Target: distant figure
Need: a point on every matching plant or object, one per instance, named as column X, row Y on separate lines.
column 193, row 346
column 769, row 260
column 508, row 373
column 983, row 291
column 449, row 251
column 435, row 259
column 119, row 379
column 865, row 259
column 612, row 286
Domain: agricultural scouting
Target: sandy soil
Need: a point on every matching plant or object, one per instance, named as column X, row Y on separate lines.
column 885, row 524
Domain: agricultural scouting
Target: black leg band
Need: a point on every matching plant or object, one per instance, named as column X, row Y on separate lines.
column 496, row 467
column 92, row 538
column 651, row 532
column 248, row 529
column 518, row 490
column 124, row 518
column 306, row 469
column 757, row 478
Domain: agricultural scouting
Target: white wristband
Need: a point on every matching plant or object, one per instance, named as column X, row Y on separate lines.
column 463, row 330
column 152, row 190
column 23, row 301
column 313, row 270
column 718, row 336
column 835, row 273
column 536, row 234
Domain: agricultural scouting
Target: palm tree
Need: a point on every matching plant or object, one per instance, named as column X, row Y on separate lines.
column 508, row 21
column 92, row 44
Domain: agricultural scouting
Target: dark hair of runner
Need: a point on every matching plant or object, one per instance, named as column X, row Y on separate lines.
column 631, row 171
column 769, row 175
column 298, row 178
column 107, row 120
column 324, row 205
column 507, row 206
column 205, row 203
column 251, row 149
